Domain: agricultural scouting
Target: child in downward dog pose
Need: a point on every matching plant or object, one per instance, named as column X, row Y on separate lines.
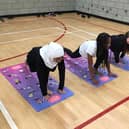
column 44, row 59
column 92, row 48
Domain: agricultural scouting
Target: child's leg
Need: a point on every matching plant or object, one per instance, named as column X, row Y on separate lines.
column 43, row 75
column 43, row 80
column 116, row 55
column 122, row 54
column 74, row 54
column 27, row 68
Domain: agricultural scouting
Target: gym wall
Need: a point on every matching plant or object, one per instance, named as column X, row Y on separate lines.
column 14, row 7
column 112, row 9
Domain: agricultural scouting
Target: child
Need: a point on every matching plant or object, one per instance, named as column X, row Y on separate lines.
column 120, row 45
column 92, row 48
column 45, row 59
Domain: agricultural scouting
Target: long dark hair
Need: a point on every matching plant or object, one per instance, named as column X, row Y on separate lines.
column 127, row 45
column 102, row 46
column 127, row 34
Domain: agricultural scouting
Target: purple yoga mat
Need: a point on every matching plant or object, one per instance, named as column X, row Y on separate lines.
column 27, row 84
column 124, row 62
column 79, row 66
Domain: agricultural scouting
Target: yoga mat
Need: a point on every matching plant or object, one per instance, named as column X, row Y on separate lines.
column 27, row 84
column 79, row 66
column 124, row 62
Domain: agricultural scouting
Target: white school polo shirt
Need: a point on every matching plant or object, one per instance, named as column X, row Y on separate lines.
column 88, row 47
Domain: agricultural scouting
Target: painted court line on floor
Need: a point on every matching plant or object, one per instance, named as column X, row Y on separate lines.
column 7, row 116
column 90, row 33
column 25, row 31
column 18, row 40
column 58, row 38
column 83, row 37
column 74, row 33
column 99, row 115
column 23, row 39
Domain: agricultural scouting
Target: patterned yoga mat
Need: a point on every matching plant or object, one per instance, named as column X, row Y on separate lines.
column 26, row 83
column 79, row 66
column 124, row 62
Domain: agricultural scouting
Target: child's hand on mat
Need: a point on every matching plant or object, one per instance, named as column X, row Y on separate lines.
column 61, row 91
column 94, row 81
column 49, row 92
column 46, row 97
column 112, row 74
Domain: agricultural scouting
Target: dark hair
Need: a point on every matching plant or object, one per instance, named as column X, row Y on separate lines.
column 102, row 42
column 102, row 50
column 127, row 34
column 127, row 45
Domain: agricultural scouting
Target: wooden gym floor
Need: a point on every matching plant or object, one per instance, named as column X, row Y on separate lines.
column 19, row 35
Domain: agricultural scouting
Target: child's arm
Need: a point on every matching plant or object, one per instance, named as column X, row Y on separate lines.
column 108, row 67
column 91, row 69
column 123, row 54
column 109, row 70
column 61, row 68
